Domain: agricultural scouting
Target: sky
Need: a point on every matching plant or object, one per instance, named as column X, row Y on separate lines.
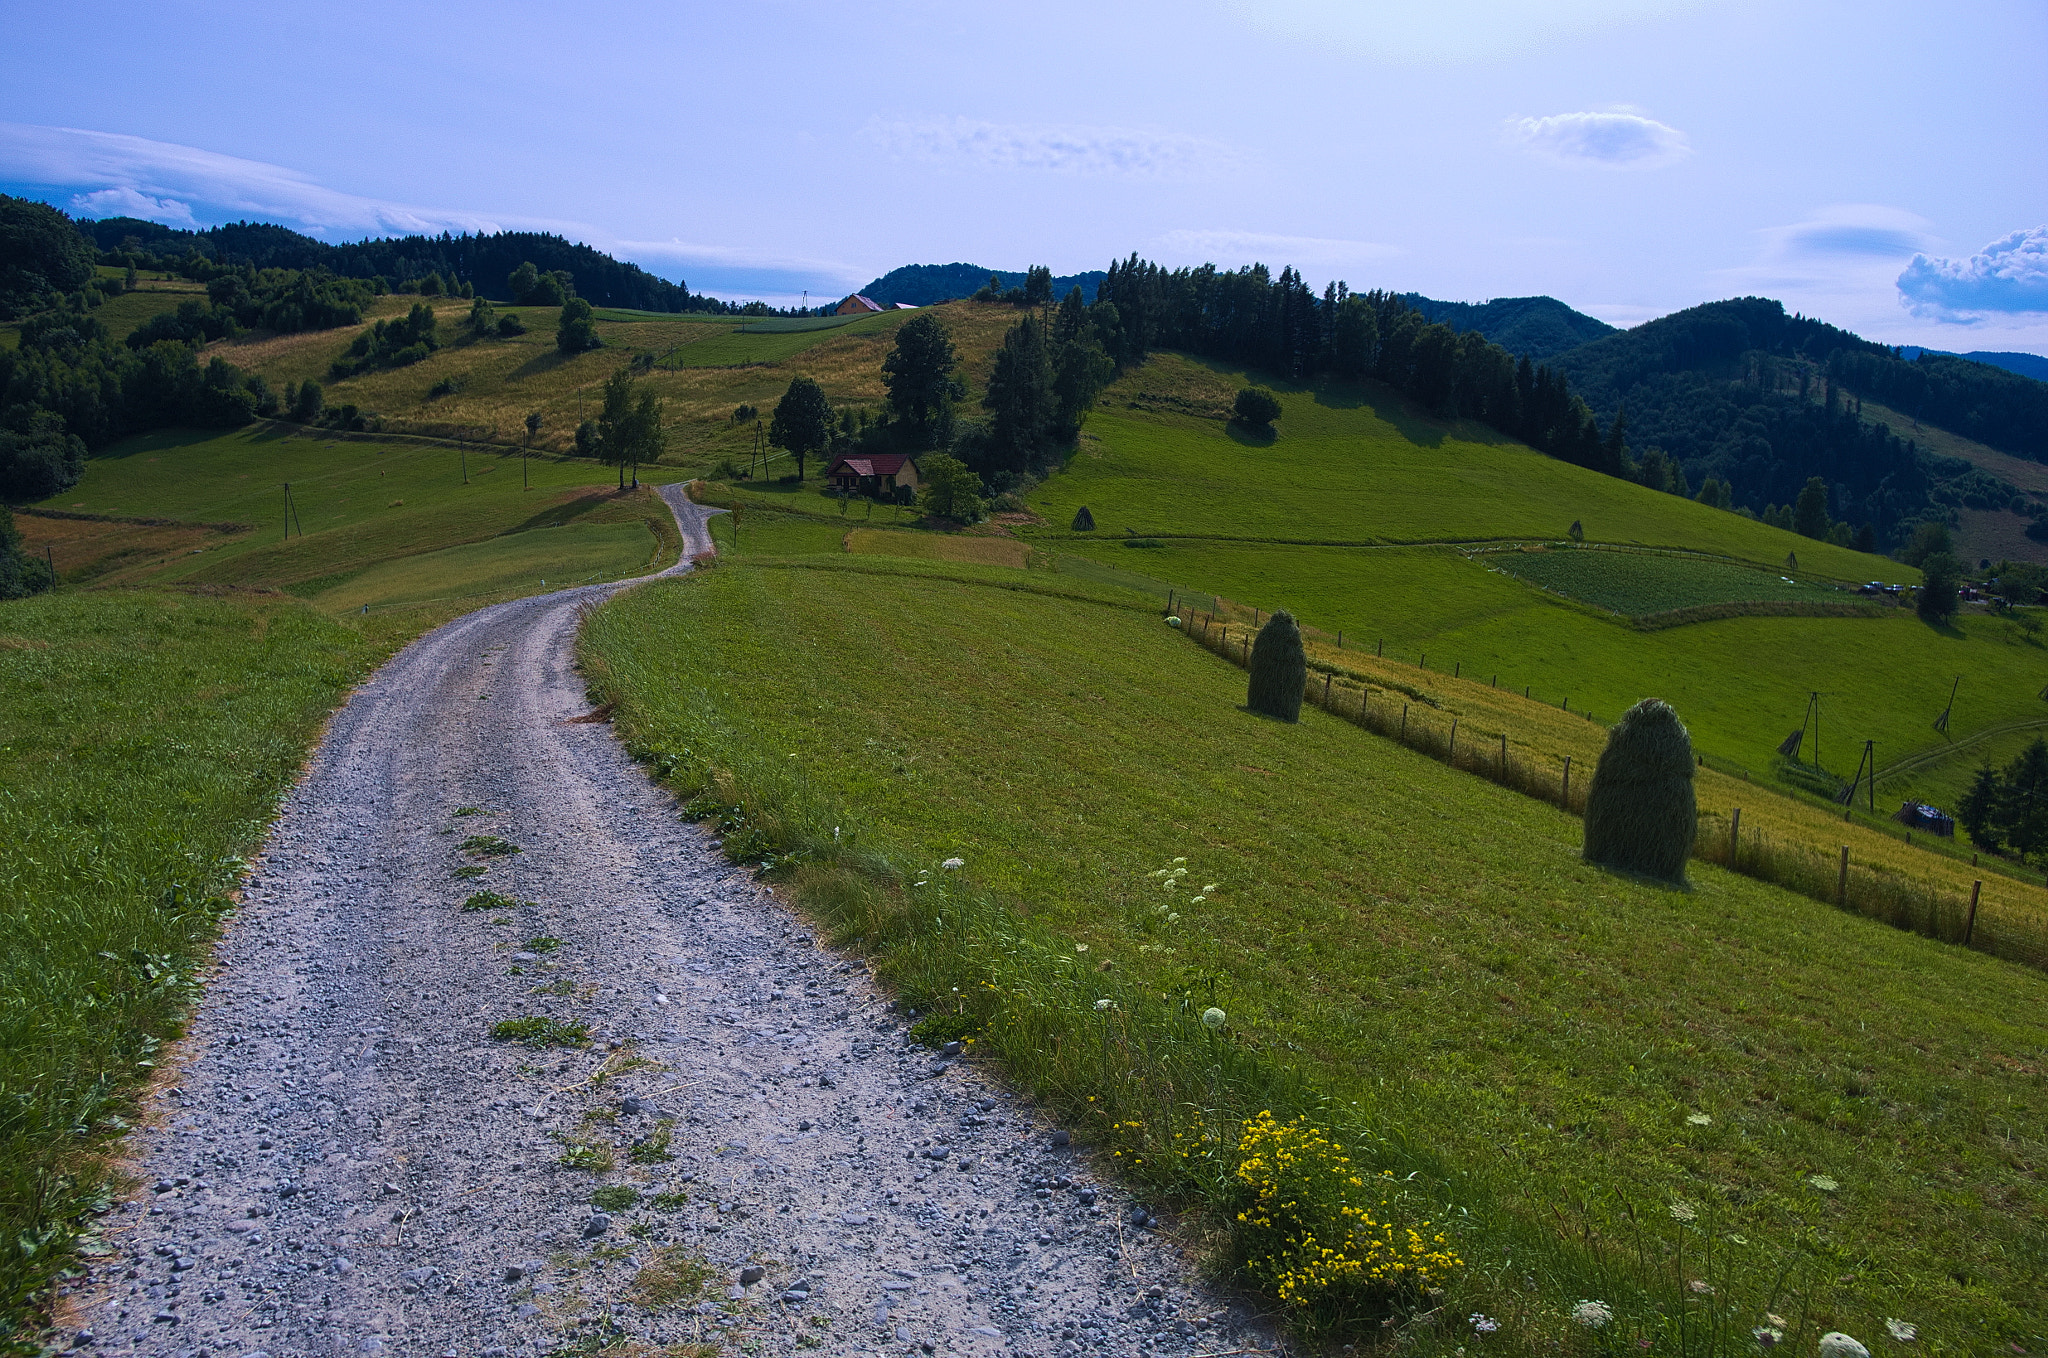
column 1880, row 165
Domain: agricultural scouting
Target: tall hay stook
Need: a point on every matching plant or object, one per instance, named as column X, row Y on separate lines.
column 1279, row 669
column 1641, row 813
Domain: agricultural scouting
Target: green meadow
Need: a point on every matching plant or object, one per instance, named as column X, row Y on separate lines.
column 1847, row 1115
column 1360, row 465
column 144, row 740
column 1639, row 584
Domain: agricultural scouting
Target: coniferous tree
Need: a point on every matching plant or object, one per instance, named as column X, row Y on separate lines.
column 1641, row 813
column 1021, row 400
column 1810, row 513
column 922, row 388
column 1279, row 669
column 1978, row 812
column 1038, row 286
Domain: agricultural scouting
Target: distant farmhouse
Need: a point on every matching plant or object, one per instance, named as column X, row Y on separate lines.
column 878, row 474
column 860, row 304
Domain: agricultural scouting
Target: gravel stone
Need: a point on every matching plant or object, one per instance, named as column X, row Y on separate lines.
column 392, row 1183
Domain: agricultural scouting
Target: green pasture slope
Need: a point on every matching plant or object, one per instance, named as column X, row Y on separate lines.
column 1546, row 1046
column 359, row 502
column 1351, row 467
column 766, row 342
column 144, row 739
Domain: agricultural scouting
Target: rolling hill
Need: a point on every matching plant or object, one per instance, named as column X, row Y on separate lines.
column 1538, row 327
column 924, row 284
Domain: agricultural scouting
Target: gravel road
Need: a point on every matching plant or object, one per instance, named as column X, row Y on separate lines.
column 346, row 1161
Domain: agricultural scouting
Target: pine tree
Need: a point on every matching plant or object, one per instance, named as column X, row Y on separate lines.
column 1021, row 400
column 1979, row 810
column 1279, row 669
column 919, row 375
column 1614, row 452
column 1641, row 814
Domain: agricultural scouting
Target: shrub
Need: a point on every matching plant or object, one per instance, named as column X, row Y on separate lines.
column 1256, row 406
column 509, row 324
column 1279, row 669
column 576, row 332
column 1320, row 1237
column 586, row 439
column 307, row 402
column 1084, row 522
column 1640, row 811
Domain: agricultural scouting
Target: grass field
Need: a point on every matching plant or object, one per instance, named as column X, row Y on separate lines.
column 522, row 563
column 359, row 502
column 1359, row 465
column 1466, row 1000
column 1638, row 583
column 1887, row 678
column 986, row 551
column 144, row 738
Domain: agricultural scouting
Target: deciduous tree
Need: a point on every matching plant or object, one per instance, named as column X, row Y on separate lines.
column 802, row 423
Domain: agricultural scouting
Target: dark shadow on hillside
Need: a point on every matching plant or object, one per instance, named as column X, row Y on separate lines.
column 156, row 441
column 1683, row 886
column 1251, row 436
column 547, row 360
column 556, row 515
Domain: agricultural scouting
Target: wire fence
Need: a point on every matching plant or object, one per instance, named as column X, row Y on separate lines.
column 1998, row 928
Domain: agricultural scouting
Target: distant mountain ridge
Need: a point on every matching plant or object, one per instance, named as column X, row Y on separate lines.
column 483, row 261
column 924, row 284
column 2026, row 365
column 1539, row 327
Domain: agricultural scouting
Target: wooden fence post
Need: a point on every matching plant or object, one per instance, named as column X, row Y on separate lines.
column 1326, row 691
column 1734, row 833
column 1423, row 663
column 1458, row 670
column 1970, row 924
column 1340, row 638
column 1379, row 648
column 1842, row 879
column 1452, row 757
column 1567, row 782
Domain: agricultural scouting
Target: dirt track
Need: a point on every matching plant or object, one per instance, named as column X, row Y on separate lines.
column 347, row 1162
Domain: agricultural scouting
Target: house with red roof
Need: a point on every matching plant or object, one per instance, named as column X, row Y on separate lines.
column 877, row 474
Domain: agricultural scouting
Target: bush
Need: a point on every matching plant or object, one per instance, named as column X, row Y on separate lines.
column 20, row 573
column 307, row 402
column 1640, row 812
column 1084, row 522
column 510, row 324
column 1257, row 407
column 586, row 439
column 577, row 331
column 1279, row 669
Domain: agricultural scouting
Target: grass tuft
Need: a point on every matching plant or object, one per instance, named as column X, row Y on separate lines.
column 535, row 1031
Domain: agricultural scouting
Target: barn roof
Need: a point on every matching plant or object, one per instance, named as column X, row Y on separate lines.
column 871, row 464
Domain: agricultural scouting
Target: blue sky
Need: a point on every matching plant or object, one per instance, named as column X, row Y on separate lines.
column 1878, row 164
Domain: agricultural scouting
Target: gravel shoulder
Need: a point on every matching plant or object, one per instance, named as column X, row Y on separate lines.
column 346, row 1161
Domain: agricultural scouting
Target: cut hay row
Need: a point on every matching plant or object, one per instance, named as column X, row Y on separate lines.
column 1990, row 925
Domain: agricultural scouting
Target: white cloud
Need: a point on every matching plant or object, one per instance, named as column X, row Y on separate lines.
column 1403, row 31
column 1061, row 148
column 1854, row 229
column 2007, row 276
column 129, row 203
column 1614, row 141
column 114, row 174
column 1229, row 249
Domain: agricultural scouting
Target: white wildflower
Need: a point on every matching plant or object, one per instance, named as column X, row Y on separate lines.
column 1210, row 889
column 1835, row 1344
column 952, row 863
column 1213, row 1018
column 1102, row 1006
column 1701, row 1287
column 1767, row 1336
column 1173, row 919
column 1594, row 1315
column 1682, row 1212
column 1699, row 1119
column 1080, row 947
column 1901, row 1331
column 1484, row 1324
column 1198, row 900
column 1823, row 1183
column 1180, row 860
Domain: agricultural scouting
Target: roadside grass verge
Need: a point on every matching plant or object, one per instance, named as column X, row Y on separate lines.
column 144, row 741
column 1412, row 958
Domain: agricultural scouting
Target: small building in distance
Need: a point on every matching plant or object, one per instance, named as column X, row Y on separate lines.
column 857, row 305
column 879, row 474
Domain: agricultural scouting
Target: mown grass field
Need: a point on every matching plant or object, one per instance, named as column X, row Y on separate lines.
column 360, row 503
column 1637, row 583
column 144, row 739
column 1537, row 1040
column 522, row 563
column 1359, row 465
column 1741, row 683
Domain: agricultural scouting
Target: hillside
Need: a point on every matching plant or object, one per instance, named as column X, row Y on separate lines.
column 483, row 261
column 1409, row 957
column 924, row 284
column 1538, row 327
column 2026, row 365
column 1760, row 401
